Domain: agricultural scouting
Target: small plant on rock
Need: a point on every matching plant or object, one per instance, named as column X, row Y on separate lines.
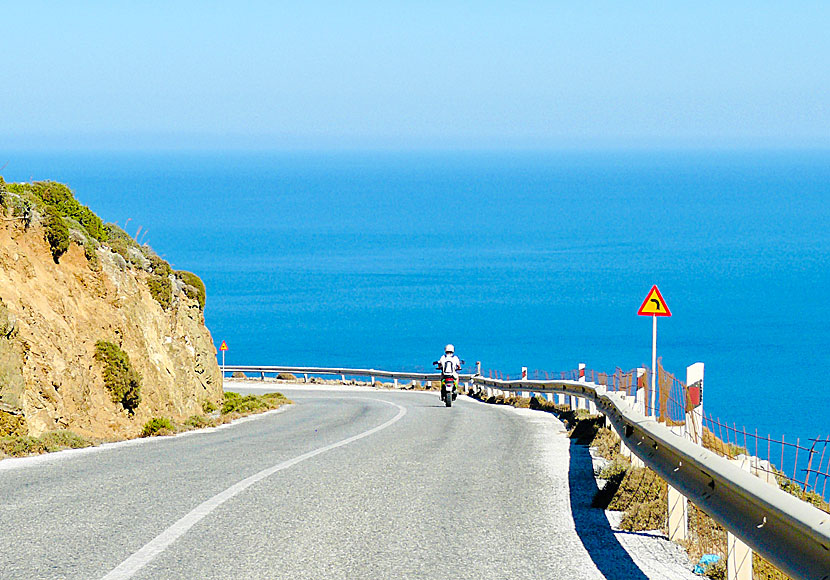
column 161, row 290
column 57, row 234
column 158, row 426
column 122, row 381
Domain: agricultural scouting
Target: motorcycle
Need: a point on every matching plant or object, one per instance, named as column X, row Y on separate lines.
column 449, row 387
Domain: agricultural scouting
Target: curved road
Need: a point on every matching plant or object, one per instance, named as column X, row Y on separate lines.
column 344, row 484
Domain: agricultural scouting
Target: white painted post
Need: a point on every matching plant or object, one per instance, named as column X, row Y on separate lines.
column 738, row 554
column 305, row 377
column 396, row 383
column 678, row 506
column 694, row 418
column 581, row 378
column 343, row 379
column 589, row 404
column 640, row 405
column 640, row 397
column 478, row 367
column 624, row 450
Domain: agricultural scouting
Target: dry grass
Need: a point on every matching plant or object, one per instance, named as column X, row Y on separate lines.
column 24, row 445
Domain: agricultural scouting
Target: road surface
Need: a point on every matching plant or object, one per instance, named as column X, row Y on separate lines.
column 343, row 484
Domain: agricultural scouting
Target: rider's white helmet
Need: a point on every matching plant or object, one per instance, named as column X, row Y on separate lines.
column 449, row 349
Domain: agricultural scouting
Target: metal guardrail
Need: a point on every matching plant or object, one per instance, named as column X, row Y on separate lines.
column 788, row 532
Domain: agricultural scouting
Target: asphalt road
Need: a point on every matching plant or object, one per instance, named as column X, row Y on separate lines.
column 341, row 485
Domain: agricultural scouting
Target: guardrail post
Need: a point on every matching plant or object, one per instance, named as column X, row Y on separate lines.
column 373, row 381
column 261, row 376
column 305, row 377
column 343, row 379
column 478, row 367
column 640, row 397
column 738, row 554
column 694, row 391
column 589, row 404
column 678, row 506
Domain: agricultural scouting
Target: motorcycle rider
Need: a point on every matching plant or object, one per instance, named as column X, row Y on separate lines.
column 449, row 364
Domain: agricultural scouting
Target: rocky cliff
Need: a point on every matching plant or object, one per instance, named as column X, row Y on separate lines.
column 68, row 284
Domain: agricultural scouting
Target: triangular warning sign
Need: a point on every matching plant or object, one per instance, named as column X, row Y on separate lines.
column 224, row 346
column 654, row 305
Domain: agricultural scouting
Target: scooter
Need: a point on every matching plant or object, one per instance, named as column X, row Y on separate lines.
column 449, row 388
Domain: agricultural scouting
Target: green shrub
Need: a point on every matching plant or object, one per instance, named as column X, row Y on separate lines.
column 120, row 242
column 158, row 426
column 194, row 287
column 161, row 289
column 12, row 424
column 159, row 266
column 61, row 198
column 57, row 234
column 21, row 445
column 197, row 422
column 63, row 439
column 240, row 404
column 209, row 406
column 122, row 381
column 236, row 403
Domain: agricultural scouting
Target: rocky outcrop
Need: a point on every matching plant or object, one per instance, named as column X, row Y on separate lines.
column 53, row 313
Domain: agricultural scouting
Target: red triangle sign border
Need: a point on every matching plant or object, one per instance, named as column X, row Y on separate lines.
column 654, row 290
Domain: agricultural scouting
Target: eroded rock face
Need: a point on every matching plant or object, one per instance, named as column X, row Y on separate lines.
column 51, row 316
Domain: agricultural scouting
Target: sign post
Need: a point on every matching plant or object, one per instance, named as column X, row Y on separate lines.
column 223, row 348
column 654, row 305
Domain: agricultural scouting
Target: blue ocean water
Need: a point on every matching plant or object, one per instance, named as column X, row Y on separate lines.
column 522, row 259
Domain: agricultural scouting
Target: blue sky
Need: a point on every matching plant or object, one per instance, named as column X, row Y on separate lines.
column 428, row 74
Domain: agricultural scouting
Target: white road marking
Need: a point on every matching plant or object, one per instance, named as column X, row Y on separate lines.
column 157, row 545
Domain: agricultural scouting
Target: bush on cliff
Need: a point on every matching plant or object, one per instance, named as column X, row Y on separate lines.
column 120, row 242
column 194, row 287
column 161, row 289
column 58, row 196
column 122, row 381
column 57, row 234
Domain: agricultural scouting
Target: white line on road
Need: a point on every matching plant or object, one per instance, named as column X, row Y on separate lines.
column 157, row 545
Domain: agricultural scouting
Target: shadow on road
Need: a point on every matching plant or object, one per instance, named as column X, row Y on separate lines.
column 591, row 524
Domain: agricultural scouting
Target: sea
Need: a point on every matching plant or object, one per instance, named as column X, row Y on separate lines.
column 520, row 259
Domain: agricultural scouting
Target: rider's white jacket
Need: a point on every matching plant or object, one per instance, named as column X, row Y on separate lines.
column 450, row 365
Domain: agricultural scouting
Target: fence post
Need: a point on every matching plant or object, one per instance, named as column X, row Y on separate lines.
column 589, row 404
column 738, row 554
column 694, row 406
column 678, row 506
